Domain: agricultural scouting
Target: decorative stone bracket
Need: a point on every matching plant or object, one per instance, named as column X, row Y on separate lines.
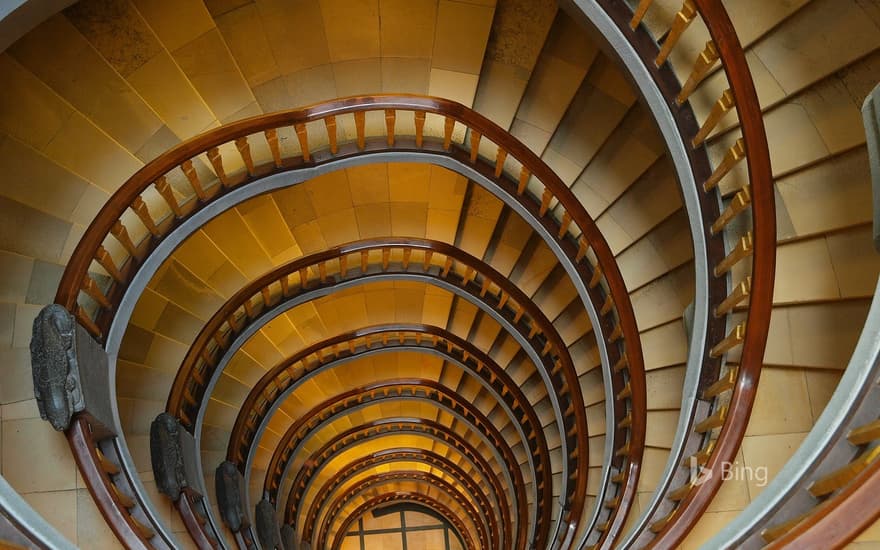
column 173, row 454
column 70, row 371
column 231, row 496
column 267, row 526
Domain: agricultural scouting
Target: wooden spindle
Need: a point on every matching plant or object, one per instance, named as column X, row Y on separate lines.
column 343, row 265
column 304, row 277
column 740, row 202
column 448, row 126
column 730, row 341
column 725, row 383
column 712, row 422
column 682, row 19
column 616, row 334
column 121, row 234
column 735, row 154
column 564, row 225
column 484, row 288
column 217, row 163
column 640, row 12
column 420, row 127
column 143, row 213
column 621, row 363
column 597, row 276
column 724, row 104
column 583, row 246
column 546, row 197
column 607, row 305
column 390, row 118
column 302, row 134
column 244, row 149
column 164, row 189
column 360, row 118
column 365, row 259
column 469, row 275
column 272, row 139
column 500, row 157
column 742, row 250
column 427, row 263
column 737, row 295
column 322, row 272
column 106, row 261
column 524, row 176
column 625, row 392
column 475, row 145
column 193, row 177
column 446, row 267
column 386, row 258
column 267, row 296
column 90, row 287
column 285, row 285
column 330, row 124
column 702, row 66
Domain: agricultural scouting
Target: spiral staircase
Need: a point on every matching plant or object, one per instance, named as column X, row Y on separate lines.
column 445, row 274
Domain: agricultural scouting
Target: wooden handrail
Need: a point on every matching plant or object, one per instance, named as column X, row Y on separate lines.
column 392, row 455
column 377, row 480
column 420, row 389
column 437, row 433
column 97, row 316
column 403, row 497
column 441, row 340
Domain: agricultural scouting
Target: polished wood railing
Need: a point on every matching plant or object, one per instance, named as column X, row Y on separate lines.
column 148, row 208
column 746, row 221
column 469, row 512
column 335, row 484
column 365, row 259
column 270, row 389
column 420, row 390
column 399, row 497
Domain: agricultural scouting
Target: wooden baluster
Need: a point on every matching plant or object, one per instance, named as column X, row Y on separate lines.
column 420, row 127
column 485, row 286
column 597, row 276
column 607, row 305
column 365, row 259
column 702, row 66
column 86, row 321
column 621, row 363
column 583, row 246
column 427, row 263
column 616, row 334
column 724, row 104
column 217, row 163
column 140, row 208
column 390, row 118
column 682, row 19
column 500, row 157
column 725, row 383
column 360, row 118
column 386, row 258
column 737, row 295
column 106, row 261
column 407, row 252
column 712, row 422
column 193, row 177
column 742, row 250
column 446, row 267
column 639, row 14
column 524, row 176
column 285, row 285
column 563, row 227
column 90, row 287
column 343, row 265
column 272, row 139
column 732, row 340
column 330, row 124
column 546, row 197
column 121, row 234
column 625, row 392
column 167, row 194
column 248, row 309
column 475, row 145
column 302, row 134
column 735, row 154
column 448, row 126
column 304, row 277
column 469, row 275
column 739, row 203
column 244, row 149
column 267, row 296
column 322, row 272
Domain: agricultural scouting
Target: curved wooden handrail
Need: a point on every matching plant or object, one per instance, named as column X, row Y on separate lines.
column 344, row 500
column 247, row 305
column 402, row 497
column 393, row 336
column 434, row 393
column 575, row 231
column 434, row 432
column 393, row 455
column 717, row 430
